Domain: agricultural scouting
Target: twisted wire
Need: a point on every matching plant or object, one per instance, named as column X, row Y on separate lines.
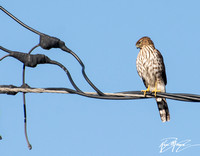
column 47, row 42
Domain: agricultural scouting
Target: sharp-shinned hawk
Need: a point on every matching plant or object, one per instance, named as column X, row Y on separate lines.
column 151, row 69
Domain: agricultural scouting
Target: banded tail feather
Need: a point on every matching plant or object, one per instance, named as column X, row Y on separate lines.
column 163, row 109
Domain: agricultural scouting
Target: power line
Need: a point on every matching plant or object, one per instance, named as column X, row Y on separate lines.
column 48, row 42
column 128, row 95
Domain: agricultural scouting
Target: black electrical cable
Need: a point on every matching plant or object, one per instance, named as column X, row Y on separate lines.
column 24, row 102
column 133, row 94
column 106, row 97
column 33, row 60
column 25, row 122
column 20, row 22
column 4, row 57
column 67, row 72
column 83, row 70
column 47, row 42
column 173, row 96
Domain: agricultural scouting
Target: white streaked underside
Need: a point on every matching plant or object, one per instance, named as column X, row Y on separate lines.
column 150, row 67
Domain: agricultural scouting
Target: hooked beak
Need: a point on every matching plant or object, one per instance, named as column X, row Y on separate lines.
column 137, row 46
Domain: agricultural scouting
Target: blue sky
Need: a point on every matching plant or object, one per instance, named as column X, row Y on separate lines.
column 103, row 34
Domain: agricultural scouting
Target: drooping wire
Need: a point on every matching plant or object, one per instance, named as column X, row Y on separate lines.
column 83, row 70
column 24, row 102
column 33, row 60
column 67, row 72
column 25, row 115
column 47, row 42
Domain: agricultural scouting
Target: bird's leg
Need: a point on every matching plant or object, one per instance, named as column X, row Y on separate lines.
column 147, row 90
column 155, row 90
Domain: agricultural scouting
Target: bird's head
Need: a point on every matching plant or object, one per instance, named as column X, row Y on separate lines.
column 144, row 41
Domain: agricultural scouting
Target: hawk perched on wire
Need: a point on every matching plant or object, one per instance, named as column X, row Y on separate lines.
column 151, row 69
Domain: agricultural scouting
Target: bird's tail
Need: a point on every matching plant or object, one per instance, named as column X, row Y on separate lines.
column 163, row 109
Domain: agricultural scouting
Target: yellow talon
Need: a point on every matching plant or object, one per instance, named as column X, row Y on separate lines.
column 147, row 90
column 155, row 90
